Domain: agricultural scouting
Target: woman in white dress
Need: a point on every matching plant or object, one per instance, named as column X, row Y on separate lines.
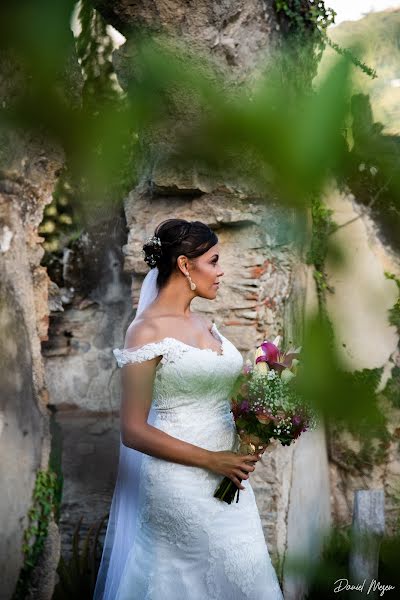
column 168, row 538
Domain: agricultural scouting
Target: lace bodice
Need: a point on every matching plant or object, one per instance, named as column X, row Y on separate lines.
column 188, row 376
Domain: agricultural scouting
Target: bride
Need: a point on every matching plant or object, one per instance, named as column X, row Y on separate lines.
column 168, row 538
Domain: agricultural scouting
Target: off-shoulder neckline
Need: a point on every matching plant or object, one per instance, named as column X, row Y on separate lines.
column 213, row 328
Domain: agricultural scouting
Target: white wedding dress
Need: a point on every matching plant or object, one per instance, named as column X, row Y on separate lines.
column 190, row 545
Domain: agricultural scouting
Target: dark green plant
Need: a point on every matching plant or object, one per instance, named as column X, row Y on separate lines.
column 322, row 227
column 39, row 517
column 46, row 504
column 55, row 465
column 112, row 131
column 77, row 575
column 394, row 312
column 59, row 223
column 304, row 25
column 389, row 561
column 310, row 19
column 392, row 388
column 333, row 564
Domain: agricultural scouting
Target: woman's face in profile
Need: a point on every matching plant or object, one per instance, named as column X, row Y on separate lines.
column 207, row 272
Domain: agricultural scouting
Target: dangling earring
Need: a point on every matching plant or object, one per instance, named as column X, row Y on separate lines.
column 192, row 284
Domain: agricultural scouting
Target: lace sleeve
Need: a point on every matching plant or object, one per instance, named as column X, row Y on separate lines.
column 126, row 356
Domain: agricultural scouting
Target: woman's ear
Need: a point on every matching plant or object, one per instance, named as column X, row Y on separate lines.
column 182, row 262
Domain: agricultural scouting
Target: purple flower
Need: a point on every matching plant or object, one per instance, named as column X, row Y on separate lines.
column 274, row 358
column 270, row 353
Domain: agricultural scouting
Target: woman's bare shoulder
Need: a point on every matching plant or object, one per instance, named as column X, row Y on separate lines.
column 145, row 330
column 142, row 331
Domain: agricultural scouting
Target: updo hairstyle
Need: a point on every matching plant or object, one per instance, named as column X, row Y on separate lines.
column 172, row 238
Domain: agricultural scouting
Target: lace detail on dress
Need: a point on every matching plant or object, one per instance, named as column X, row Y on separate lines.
column 167, row 348
column 171, row 349
column 243, row 574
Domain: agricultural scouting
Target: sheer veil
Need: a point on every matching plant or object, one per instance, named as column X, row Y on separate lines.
column 121, row 526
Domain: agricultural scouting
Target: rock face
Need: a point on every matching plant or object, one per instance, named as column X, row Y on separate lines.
column 90, row 460
column 367, row 340
column 30, row 167
column 237, row 35
column 80, row 367
column 25, row 188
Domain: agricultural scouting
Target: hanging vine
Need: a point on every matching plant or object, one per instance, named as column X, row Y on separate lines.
column 304, row 25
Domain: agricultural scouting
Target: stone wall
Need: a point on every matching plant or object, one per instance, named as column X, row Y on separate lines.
column 25, row 188
column 365, row 339
column 31, row 163
column 239, row 37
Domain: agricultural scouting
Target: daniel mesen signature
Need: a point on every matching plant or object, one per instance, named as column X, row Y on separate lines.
column 374, row 585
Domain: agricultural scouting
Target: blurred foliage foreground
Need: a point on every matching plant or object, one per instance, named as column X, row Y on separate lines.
column 271, row 139
column 262, row 134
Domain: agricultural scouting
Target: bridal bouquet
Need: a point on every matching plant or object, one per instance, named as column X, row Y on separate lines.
column 266, row 405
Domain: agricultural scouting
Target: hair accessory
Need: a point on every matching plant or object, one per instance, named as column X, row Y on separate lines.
column 152, row 259
column 153, row 239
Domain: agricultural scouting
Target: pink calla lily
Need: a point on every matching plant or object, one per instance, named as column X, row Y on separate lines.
column 274, row 358
column 271, row 351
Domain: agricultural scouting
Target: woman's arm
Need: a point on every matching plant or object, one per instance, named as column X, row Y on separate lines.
column 137, row 392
